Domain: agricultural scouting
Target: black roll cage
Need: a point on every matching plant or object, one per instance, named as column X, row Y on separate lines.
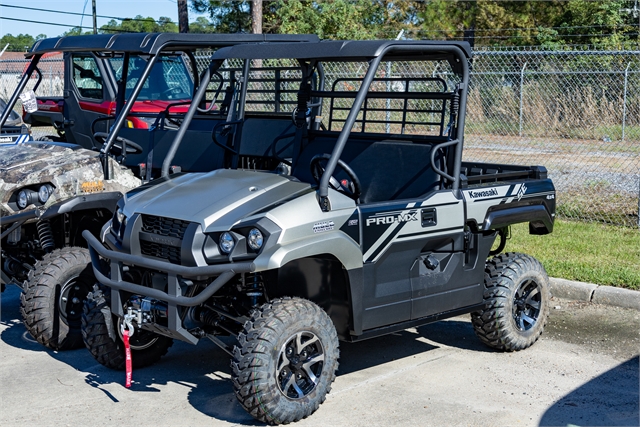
column 373, row 52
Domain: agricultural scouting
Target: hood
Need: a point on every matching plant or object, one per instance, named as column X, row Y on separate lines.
column 217, row 200
column 43, row 159
column 156, row 105
column 69, row 169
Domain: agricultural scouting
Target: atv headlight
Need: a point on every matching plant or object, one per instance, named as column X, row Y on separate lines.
column 119, row 223
column 226, row 242
column 120, row 217
column 43, row 193
column 24, row 198
column 255, row 239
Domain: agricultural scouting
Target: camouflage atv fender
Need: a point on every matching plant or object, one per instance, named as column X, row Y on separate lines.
column 71, row 171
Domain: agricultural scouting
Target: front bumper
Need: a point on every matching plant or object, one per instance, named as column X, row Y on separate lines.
column 176, row 283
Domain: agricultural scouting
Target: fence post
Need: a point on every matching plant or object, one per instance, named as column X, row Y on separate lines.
column 521, row 90
column 624, row 102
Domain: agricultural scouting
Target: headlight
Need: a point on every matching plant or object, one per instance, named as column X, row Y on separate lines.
column 255, row 239
column 120, row 216
column 226, row 242
column 119, row 223
column 43, row 193
column 23, row 199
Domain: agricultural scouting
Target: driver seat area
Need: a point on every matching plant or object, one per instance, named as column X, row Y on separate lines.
column 388, row 170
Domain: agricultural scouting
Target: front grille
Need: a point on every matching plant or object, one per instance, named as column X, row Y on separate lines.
column 166, row 227
column 157, row 250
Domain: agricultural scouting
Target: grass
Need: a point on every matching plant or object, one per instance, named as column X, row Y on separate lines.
column 587, row 252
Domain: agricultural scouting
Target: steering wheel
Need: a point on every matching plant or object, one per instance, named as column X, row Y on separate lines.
column 132, row 147
column 173, row 89
column 317, row 170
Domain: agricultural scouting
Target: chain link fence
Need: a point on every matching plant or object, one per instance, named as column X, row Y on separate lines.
column 575, row 112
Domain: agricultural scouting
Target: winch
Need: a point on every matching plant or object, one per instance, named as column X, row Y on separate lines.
column 146, row 310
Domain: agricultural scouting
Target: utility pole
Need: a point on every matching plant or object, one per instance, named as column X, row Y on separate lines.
column 256, row 16
column 95, row 21
column 183, row 16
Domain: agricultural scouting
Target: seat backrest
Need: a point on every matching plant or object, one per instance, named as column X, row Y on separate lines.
column 196, row 153
column 388, row 170
column 263, row 137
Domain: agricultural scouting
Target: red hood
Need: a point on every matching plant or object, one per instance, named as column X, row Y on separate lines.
column 109, row 107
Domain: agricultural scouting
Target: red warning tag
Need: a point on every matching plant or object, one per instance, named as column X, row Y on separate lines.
column 127, row 354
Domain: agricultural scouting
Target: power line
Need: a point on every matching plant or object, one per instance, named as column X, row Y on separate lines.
column 77, row 14
column 63, row 25
column 418, row 32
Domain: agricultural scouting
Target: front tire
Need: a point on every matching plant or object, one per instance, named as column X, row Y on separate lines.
column 516, row 299
column 51, row 304
column 146, row 347
column 286, row 361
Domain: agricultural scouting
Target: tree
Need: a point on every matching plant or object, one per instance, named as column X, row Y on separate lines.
column 75, row 31
column 600, row 23
column 334, row 19
column 202, row 25
column 228, row 16
column 342, row 19
column 140, row 24
column 19, row 43
column 519, row 23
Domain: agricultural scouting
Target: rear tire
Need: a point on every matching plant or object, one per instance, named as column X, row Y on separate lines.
column 516, row 300
column 286, row 361
column 51, row 304
column 146, row 347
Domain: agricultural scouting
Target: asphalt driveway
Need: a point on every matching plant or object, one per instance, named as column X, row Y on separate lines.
column 583, row 371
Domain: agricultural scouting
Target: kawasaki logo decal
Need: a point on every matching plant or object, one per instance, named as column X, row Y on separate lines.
column 481, row 194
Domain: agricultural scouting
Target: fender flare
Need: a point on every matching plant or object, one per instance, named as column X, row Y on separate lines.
column 336, row 244
column 106, row 200
column 539, row 219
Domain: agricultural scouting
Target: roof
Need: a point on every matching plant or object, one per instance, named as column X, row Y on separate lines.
column 152, row 43
column 351, row 50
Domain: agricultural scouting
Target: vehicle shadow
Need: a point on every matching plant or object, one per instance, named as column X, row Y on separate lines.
column 205, row 369
column 610, row 399
column 15, row 334
column 456, row 332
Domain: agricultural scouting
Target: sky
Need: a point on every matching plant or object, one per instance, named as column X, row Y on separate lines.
column 115, row 8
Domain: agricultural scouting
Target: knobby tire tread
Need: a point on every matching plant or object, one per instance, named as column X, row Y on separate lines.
column 38, row 302
column 494, row 324
column 253, row 364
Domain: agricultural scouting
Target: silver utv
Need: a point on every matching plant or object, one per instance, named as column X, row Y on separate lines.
column 360, row 219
